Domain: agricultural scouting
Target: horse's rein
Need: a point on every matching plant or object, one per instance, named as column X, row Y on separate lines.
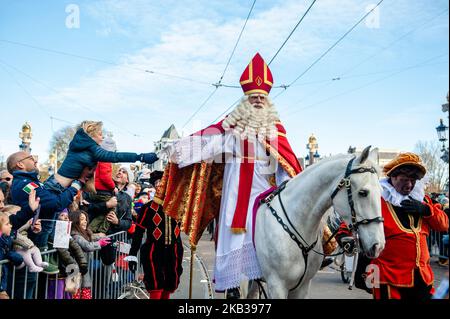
column 353, row 227
column 345, row 182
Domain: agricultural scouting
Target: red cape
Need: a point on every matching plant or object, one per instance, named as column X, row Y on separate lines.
column 193, row 194
column 280, row 148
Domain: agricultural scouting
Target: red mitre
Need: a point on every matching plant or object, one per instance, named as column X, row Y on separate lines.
column 257, row 77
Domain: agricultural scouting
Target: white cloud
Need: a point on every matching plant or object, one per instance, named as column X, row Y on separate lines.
column 194, row 40
column 197, row 48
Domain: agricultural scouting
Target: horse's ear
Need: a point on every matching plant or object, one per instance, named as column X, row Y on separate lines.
column 364, row 155
column 373, row 156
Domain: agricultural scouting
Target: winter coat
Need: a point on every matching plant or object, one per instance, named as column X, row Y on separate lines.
column 51, row 202
column 123, row 212
column 74, row 255
column 22, row 241
column 103, row 177
column 88, row 248
column 85, row 152
column 6, row 252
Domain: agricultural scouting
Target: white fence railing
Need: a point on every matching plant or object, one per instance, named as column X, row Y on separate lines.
column 107, row 281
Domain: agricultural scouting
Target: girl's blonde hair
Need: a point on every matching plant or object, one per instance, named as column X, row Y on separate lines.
column 10, row 209
column 3, row 216
column 91, row 127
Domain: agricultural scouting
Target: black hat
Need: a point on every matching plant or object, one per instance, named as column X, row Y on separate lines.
column 154, row 176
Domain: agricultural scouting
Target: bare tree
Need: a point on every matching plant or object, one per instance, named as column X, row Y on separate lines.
column 2, row 163
column 437, row 169
column 59, row 142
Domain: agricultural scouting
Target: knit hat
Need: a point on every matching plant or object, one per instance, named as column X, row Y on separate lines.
column 64, row 211
column 109, row 144
column 144, row 174
column 129, row 173
column 404, row 159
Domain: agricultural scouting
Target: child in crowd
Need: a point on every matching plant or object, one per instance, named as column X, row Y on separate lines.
column 85, row 151
column 27, row 249
column 6, row 252
column 137, row 189
column 11, row 209
column 24, row 246
column 70, row 261
column 105, row 188
column 89, row 242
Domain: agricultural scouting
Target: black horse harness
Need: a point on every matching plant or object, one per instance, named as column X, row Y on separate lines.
column 345, row 182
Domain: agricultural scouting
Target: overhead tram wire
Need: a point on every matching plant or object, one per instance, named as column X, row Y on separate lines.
column 34, row 99
column 61, row 120
column 329, row 49
column 25, row 90
column 293, row 30
column 421, row 64
column 224, row 112
column 72, row 101
column 421, row 26
column 271, row 60
column 200, row 107
column 342, row 75
column 219, row 83
column 105, row 62
column 237, row 42
column 331, row 81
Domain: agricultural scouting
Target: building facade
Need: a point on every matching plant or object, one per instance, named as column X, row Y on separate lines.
column 169, row 137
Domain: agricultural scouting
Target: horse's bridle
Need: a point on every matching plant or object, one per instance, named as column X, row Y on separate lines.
column 345, row 182
column 304, row 248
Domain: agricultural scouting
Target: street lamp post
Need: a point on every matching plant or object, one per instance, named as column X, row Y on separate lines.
column 442, row 131
column 312, row 147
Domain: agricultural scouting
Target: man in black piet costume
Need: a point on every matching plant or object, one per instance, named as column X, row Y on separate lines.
column 161, row 254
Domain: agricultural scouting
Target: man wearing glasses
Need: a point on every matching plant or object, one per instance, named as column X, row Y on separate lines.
column 25, row 171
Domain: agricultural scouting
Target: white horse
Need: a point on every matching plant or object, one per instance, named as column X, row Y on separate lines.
column 350, row 185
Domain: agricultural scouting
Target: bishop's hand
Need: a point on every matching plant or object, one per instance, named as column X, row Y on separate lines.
column 168, row 152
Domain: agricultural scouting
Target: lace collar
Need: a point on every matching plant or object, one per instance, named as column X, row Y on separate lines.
column 395, row 198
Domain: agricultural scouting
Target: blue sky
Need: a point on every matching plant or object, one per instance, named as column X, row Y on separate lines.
column 393, row 68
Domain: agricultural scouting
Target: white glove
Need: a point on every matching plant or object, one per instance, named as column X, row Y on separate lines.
column 131, row 258
column 169, row 153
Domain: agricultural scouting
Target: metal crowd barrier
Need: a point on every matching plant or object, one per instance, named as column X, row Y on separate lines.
column 107, row 281
column 438, row 244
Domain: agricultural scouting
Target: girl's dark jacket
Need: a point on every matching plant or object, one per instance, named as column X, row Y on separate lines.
column 85, row 152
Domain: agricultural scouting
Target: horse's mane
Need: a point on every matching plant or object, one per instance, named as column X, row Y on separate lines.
column 331, row 217
column 325, row 160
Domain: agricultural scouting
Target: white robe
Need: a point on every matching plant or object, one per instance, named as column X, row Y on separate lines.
column 235, row 255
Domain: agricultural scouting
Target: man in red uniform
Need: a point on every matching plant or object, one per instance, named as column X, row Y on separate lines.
column 409, row 215
column 402, row 271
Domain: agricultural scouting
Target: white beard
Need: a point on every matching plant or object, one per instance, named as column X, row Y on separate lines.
column 252, row 123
